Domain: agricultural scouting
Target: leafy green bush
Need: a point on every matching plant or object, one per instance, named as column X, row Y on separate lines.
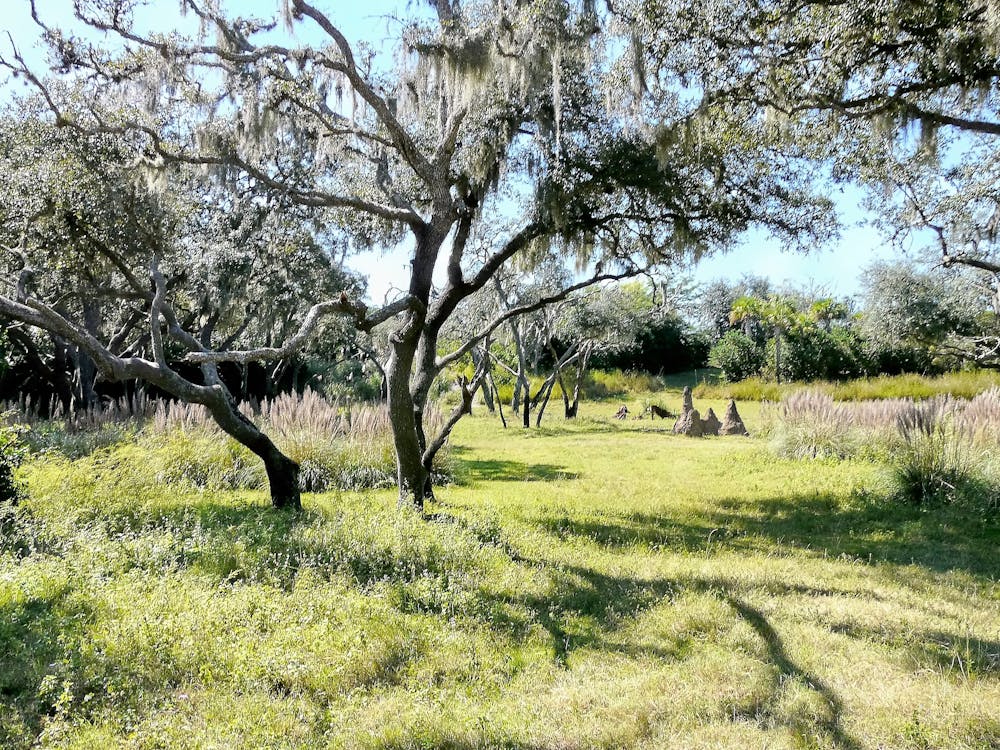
column 811, row 353
column 737, row 355
column 11, row 454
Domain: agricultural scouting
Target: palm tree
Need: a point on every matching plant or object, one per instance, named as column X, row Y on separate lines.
column 825, row 311
column 776, row 311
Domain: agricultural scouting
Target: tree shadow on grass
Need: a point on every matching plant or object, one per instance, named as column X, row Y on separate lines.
column 960, row 654
column 585, row 605
column 941, row 540
column 830, row 725
column 580, row 607
column 470, row 471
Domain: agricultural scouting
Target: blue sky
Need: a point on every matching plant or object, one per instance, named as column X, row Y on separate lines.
column 836, row 268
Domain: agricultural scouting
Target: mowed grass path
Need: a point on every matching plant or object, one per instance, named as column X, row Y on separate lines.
column 590, row 584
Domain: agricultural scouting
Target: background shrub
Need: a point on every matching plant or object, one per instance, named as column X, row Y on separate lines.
column 737, row 355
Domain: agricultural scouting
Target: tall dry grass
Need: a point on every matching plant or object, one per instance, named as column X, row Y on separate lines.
column 337, row 446
column 908, row 386
column 939, row 450
column 78, row 432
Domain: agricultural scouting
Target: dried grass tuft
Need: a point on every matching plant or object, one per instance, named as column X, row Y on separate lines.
column 338, row 446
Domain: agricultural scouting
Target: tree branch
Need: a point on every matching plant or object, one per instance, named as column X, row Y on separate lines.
column 358, row 311
column 446, row 360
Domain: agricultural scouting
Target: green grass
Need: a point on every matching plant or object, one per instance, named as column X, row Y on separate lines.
column 596, row 584
column 959, row 384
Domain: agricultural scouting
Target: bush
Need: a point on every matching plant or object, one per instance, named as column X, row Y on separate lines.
column 737, row 355
column 665, row 345
column 811, row 353
column 11, row 454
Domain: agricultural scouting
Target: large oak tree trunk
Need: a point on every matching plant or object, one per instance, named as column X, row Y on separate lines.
column 86, row 369
column 411, row 475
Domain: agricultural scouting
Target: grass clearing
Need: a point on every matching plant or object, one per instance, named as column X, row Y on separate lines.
column 593, row 584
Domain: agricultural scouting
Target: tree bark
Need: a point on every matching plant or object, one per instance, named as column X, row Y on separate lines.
column 482, row 361
column 282, row 472
column 283, row 480
column 496, row 394
column 572, row 409
column 86, row 369
column 411, row 475
column 777, row 354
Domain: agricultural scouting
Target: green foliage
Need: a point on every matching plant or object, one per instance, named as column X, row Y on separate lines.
column 937, row 312
column 12, row 453
column 347, row 380
column 605, row 383
column 664, row 344
column 737, row 355
column 811, row 353
column 597, row 384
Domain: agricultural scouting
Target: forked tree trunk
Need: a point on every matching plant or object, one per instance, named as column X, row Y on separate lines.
column 569, row 411
column 573, row 408
column 481, row 361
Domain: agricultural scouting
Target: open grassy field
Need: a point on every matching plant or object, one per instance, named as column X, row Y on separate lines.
column 596, row 584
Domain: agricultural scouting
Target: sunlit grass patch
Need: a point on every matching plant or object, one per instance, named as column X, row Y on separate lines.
column 594, row 584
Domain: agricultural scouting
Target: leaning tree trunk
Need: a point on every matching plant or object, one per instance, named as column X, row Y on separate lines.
column 86, row 369
column 572, row 409
column 282, row 472
column 481, row 361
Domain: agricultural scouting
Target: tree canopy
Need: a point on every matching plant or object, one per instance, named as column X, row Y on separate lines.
column 518, row 123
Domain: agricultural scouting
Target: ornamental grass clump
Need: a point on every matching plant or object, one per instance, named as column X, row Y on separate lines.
column 808, row 424
column 937, row 462
column 79, row 432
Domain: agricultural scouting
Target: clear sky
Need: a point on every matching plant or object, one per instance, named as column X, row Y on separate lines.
column 837, row 268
